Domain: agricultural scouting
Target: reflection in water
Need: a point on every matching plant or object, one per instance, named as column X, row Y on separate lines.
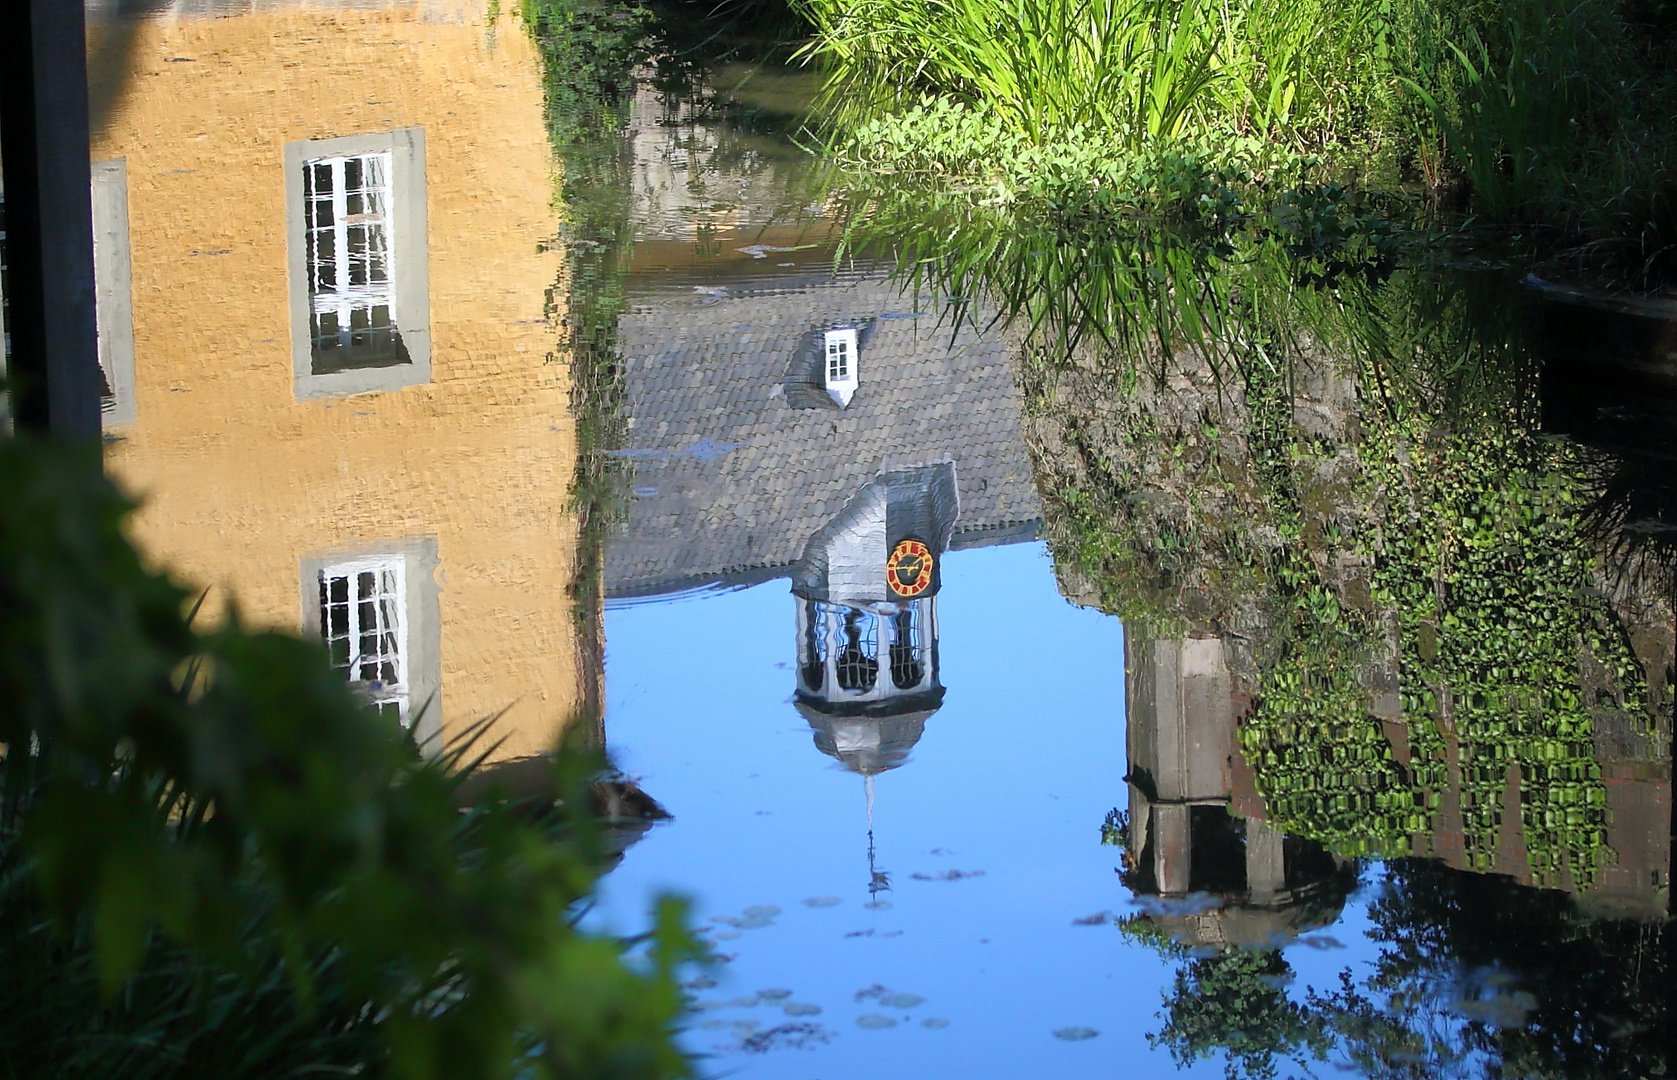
column 1398, row 628
column 337, row 399
column 1196, row 828
column 1400, row 577
column 1406, row 633
column 866, row 590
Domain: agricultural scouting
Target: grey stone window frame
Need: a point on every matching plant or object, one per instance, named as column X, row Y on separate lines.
column 409, row 243
column 113, row 277
column 421, row 611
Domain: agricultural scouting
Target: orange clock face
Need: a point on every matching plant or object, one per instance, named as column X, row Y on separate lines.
column 909, row 569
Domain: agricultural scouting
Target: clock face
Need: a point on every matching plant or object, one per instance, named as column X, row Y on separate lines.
column 909, row 569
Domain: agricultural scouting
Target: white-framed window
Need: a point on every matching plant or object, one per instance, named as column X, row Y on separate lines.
column 841, row 364
column 356, row 235
column 363, row 621
column 351, row 255
column 839, row 348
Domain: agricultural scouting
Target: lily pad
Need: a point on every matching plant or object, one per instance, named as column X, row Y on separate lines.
column 773, row 995
column 728, row 935
column 761, row 911
column 801, row 1008
column 902, row 1001
column 823, row 901
column 875, row 1022
column 1075, row 1034
column 878, row 905
column 934, row 1022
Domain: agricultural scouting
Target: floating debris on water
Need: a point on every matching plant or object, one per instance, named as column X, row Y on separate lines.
column 1321, row 941
column 823, row 901
column 875, row 1022
column 786, row 1036
column 1075, row 1034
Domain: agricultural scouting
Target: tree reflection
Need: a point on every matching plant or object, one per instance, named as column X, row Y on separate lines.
column 1235, row 1002
column 1440, row 629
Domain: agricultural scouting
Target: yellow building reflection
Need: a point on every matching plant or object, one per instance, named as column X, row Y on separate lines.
column 329, row 370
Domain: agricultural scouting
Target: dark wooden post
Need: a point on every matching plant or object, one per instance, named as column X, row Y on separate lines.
column 54, row 365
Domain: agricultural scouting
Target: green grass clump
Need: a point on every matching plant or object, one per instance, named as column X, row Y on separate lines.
column 1142, row 70
column 1551, row 120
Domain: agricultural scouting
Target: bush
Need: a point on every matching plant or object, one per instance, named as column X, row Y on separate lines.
column 243, row 866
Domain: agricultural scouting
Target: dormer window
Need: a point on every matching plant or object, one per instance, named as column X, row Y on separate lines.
column 841, row 365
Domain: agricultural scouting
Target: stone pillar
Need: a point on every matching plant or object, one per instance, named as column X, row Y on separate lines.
column 1266, row 866
column 1173, row 848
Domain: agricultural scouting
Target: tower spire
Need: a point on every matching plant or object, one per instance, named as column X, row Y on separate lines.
column 878, row 880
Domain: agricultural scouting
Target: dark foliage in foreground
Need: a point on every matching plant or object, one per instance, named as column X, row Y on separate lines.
column 215, row 861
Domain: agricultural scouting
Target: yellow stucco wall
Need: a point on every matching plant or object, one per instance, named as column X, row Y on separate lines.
column 240, row 480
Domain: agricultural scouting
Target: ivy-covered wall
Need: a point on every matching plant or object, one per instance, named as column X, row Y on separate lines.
column 1357, row 498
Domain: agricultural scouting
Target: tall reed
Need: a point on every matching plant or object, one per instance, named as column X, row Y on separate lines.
column 1138, row 70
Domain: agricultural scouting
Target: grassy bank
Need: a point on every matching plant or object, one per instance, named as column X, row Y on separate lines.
column 1549, row 120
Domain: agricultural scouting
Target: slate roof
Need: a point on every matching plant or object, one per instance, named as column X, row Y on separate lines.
column 731, row 481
